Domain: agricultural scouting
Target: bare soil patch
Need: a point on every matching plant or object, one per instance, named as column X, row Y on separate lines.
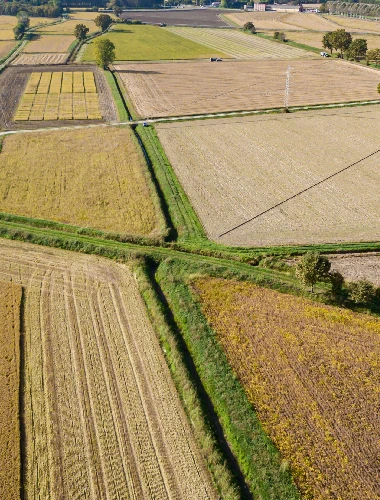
column 186, row 17
column 235, row 169
column 175, row 89
column 358, row 266
column 10, row 303
column 103, row 418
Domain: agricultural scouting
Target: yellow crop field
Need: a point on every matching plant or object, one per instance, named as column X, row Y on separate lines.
column 262, row 20
column 312, row 373
column 49, row 43
column 10, row 301
column 103, row 419
column 5, row 48
column 314, row 39
column 67, row 27
column 352, row 24
column 80, row 177
column 75, row 97
column 6, row 34
column 273, row 173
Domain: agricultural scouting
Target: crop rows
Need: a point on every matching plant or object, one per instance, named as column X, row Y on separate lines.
column 38, row 59
column 311, row 372
column 10, row 302
column 60, row 96
column 103, row 419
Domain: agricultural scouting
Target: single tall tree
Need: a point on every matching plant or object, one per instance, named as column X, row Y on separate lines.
column 341, row 40
column 357, row 49
column 373, row 55
column 104, row 52
column 311, row 268
column 328, row 41
column 103, row 21
column 81, row 31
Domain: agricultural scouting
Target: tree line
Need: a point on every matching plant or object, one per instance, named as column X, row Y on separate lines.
column 341, row 41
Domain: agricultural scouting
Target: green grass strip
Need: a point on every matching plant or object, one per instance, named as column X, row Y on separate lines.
column 267, row 475
column 121, row 111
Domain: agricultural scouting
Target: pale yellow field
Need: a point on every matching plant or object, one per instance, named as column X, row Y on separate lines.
column 314, row 39
column 9, row 22
column 49, row 43
column 82, row 177
column 355, row 24
column 103, row 419
column 236, row 169
column 6, row 35
column 262, row 20
column 67, row 28
column 309, row 21
column 84, row 16
column 5, row 48
column 10, row 301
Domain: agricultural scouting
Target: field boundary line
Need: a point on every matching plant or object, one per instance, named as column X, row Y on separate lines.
column 299, row 193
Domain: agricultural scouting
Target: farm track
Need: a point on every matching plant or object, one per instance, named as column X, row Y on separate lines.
column 103, row 417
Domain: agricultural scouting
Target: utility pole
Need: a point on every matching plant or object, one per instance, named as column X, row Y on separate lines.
column 287, row 87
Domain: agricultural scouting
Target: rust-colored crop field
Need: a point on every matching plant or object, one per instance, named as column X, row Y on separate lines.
column 187, row 88
column 49, row 43
column 10, row 302
column 5, row 48
column 312, row 373
column 102, row 416
column 80, row 177
column 234, row 170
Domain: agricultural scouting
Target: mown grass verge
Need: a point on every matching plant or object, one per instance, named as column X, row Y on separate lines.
column 258, row 458
column 117, row 96
column 292, row 44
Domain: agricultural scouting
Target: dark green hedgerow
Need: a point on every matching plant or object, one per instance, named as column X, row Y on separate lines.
column 266, row 474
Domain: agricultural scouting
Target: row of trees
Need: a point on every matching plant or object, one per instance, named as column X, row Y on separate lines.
column 51, row 9
column 341, row 41
column 313, row 268
column 370, row 9
column 22, row 25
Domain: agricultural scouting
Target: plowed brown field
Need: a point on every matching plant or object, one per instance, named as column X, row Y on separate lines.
column 103, row 419
column 10, row 301
column 236, row 169
column 173, row 89
column 312, row 373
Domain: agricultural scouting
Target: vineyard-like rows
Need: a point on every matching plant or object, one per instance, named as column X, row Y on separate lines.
column 36, row 59
column 102, row 416
column 240, row 45
column 59, row 96
column 259, row 162
column 10, row 302
column 311, row 372
column 172, row 89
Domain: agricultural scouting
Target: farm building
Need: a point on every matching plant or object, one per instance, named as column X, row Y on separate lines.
column 260, row 6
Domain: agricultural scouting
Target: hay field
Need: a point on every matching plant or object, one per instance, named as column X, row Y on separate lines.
column 173, row 89
column 82, row 15
column 67, row 28
column 314, row 39
column 10, row 302
column 79, row 177
column 6, row 35
column 258, row 162
column 49, row 43
column 309, row 21
column 5, row 48
column 241, row 45
column 352, row 24
column 45, row 58
column 262, row 20
column 102, row 416
column 311, row 372
column 146, row 43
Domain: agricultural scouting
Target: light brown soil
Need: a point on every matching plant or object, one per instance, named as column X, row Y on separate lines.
column 103, row 418
column 357, row 266
column 235, row 169
column 175, row 89
column 10, row 302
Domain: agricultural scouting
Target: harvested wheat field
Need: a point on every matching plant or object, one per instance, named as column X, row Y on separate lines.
column 80, row 177
column 314, row 39
column 187, row 88
column 45, row 58
column 352, row 24
column 102, row 416
column 260, row 162
column 241, row 45
column 6, row 35
column 10, row 303
column 49, row 43
column 261, row 20
column 312, row 373
column 82, row 15
column 67, row 28
column 5, row 48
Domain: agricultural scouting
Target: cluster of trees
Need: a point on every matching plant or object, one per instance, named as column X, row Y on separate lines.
column 22, row 25
column 249, row 27
column 104, row 48
column 340, row 40
column 313, row 268
column 368, row 9
column 34, row 8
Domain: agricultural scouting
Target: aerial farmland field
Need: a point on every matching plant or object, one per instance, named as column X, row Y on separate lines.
column 67, row 27
column 144, row 43
column 283, row 21
column 79, row 177
column 311, row 372
column 102, row 417
column 10, row 305
column 5, row 48
column 351, row 24
column 241, row 45
column 314, row 39
column 173, row 89
column 181, row 17
column 49, row 43
column 260, row 162
column 42, row 58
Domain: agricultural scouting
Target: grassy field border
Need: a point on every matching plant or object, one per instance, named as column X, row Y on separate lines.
column 267, row 474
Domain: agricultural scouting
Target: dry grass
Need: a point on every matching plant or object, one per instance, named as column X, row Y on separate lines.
column 260, row 161
column 10, row 301
column 241, row 45
column 311, row 371
column 173, row 89
column 49, row 43
column 309, row 21
column 5, row 48
column 6, row 35
column 262, row 20
column 79, row 177
column 102, row 414
column 67, row 27
column 352, row 24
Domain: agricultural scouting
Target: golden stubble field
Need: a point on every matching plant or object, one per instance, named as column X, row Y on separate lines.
column 235, row 169
column 49, row 43
column 5, row 48
column 175, row 89
column 312, row 373
column 10, row 303
column 102, row 416
column 80, row 177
